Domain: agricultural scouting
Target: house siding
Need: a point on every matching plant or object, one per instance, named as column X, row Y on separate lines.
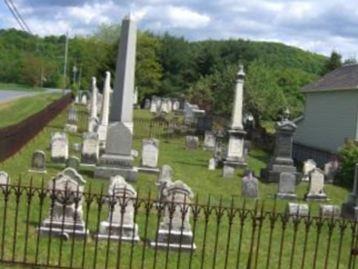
column 329, row 118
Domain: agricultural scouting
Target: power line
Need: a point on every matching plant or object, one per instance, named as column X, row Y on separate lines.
column 15, row 12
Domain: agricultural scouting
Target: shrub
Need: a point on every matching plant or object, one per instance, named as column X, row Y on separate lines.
column 349, row 157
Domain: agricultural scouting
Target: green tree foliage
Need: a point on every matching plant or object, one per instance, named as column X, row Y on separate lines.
column 348, row 156
column 333, row 62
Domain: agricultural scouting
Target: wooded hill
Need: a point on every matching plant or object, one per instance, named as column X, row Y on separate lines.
column 170, row 66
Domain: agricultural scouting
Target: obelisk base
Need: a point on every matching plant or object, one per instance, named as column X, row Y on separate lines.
column 112, row 165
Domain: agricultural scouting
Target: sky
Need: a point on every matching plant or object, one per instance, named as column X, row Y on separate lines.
column 315, row 25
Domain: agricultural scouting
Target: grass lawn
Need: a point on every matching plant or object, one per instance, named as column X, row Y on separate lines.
column 15, row 111
column 218, row 233
column 19, row 87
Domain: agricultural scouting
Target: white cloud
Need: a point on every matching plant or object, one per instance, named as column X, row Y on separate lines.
column 185, row 18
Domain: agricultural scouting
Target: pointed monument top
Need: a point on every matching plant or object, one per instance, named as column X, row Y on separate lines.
column 241, row 74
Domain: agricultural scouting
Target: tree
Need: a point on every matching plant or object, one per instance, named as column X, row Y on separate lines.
column 333, row 62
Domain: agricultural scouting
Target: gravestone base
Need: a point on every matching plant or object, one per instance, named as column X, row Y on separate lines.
column 71, row 128
column 286, row 196
column 59, row 160
column 128, row 233
column 37, row 171
column 349, row 209
column 149, row 170
column 176, row 240
column 113, row 165
column 316, row 197
column 88, row 159
column 229, row 167
column 64, row 228
column 273, row 175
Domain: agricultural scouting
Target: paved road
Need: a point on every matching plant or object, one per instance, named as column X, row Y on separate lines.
column 6, row 96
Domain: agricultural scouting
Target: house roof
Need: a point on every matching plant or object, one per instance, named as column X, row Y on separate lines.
column 343, row 78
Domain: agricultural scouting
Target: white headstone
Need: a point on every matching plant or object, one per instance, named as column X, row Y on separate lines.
column 66, row 215
column 4, row 179
column 212, row 164
column 298, row 210
column 59, row 147
column 120, row 224
column 209, row 140
column 90, row 148
column 316, row 190
column 150, row 152
column 308, row 167
column 329, row 211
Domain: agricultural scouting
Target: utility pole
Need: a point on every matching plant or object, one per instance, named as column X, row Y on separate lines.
column 65, row 65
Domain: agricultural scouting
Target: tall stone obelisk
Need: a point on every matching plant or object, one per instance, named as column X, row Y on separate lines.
column 118, row 159
column 93, row 120
column 235, row 152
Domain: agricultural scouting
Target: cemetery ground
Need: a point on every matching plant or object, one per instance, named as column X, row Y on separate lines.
column 218, row 240
column 16, row 110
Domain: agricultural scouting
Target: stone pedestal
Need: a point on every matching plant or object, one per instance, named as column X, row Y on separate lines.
column 281, row 160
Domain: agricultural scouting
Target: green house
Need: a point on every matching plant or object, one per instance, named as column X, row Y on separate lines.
column 330, row 115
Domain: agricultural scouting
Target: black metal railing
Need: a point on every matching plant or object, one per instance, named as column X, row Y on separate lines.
column 225, row 234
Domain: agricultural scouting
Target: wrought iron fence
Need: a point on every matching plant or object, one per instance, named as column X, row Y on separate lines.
column 222, row 235
column 14, row 137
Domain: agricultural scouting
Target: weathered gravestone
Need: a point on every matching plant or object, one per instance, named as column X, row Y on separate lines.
column 250, row 186
column 287, row 186
column 176, row 105
column 59, row 147
column 90, row 148
column 316, row 190
column 153, row 107
column 38, row 162
column 297, row 210
column 308, row 167
column 175, row 229
column 73, row 162
column 192, row 142
column 65, row 217
column 147, row 104
column 4, row 179
column 166, row 173
column 212, row 164
column 71, row 125
column 150, row 152
column 329, row 211
column 228, row 171
column 330, row 170
column 348, row 208
column 281, row 160
column 84, row 99
column 76, row 147
column 209, row 140
column 120, row 224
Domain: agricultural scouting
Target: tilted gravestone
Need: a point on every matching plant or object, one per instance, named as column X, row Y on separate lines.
column 38, row 162
column 59, row 147
column 329, row 211
column 308, row 167
column 175, row 229
column 287, row 186
column 150, row 152
column 90, row 148
column 192, row 142
column 120, row 224
column 65, row 217
column 73, row 162
column 209, row 140
column 316, row 189
column 250, row 186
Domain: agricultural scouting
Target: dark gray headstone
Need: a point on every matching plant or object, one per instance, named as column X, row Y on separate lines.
column 38, row 161
column 73, row 162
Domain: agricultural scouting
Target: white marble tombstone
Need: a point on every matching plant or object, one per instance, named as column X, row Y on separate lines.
column 4, row 179
column 90, row 148
column 38, row 162
column 150, row 152
column 84, row 99
column 308, row 166
column 212, row 164
column 295, row 210
column 59, row 147
column 316, row 189
column 176, row 105
column 65, row 216
column 153, row 107
column 209, row 140
column 120, row 224
column 175, row 229
column 287, row 186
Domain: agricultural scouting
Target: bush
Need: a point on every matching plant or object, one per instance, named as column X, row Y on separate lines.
column 349, row 157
